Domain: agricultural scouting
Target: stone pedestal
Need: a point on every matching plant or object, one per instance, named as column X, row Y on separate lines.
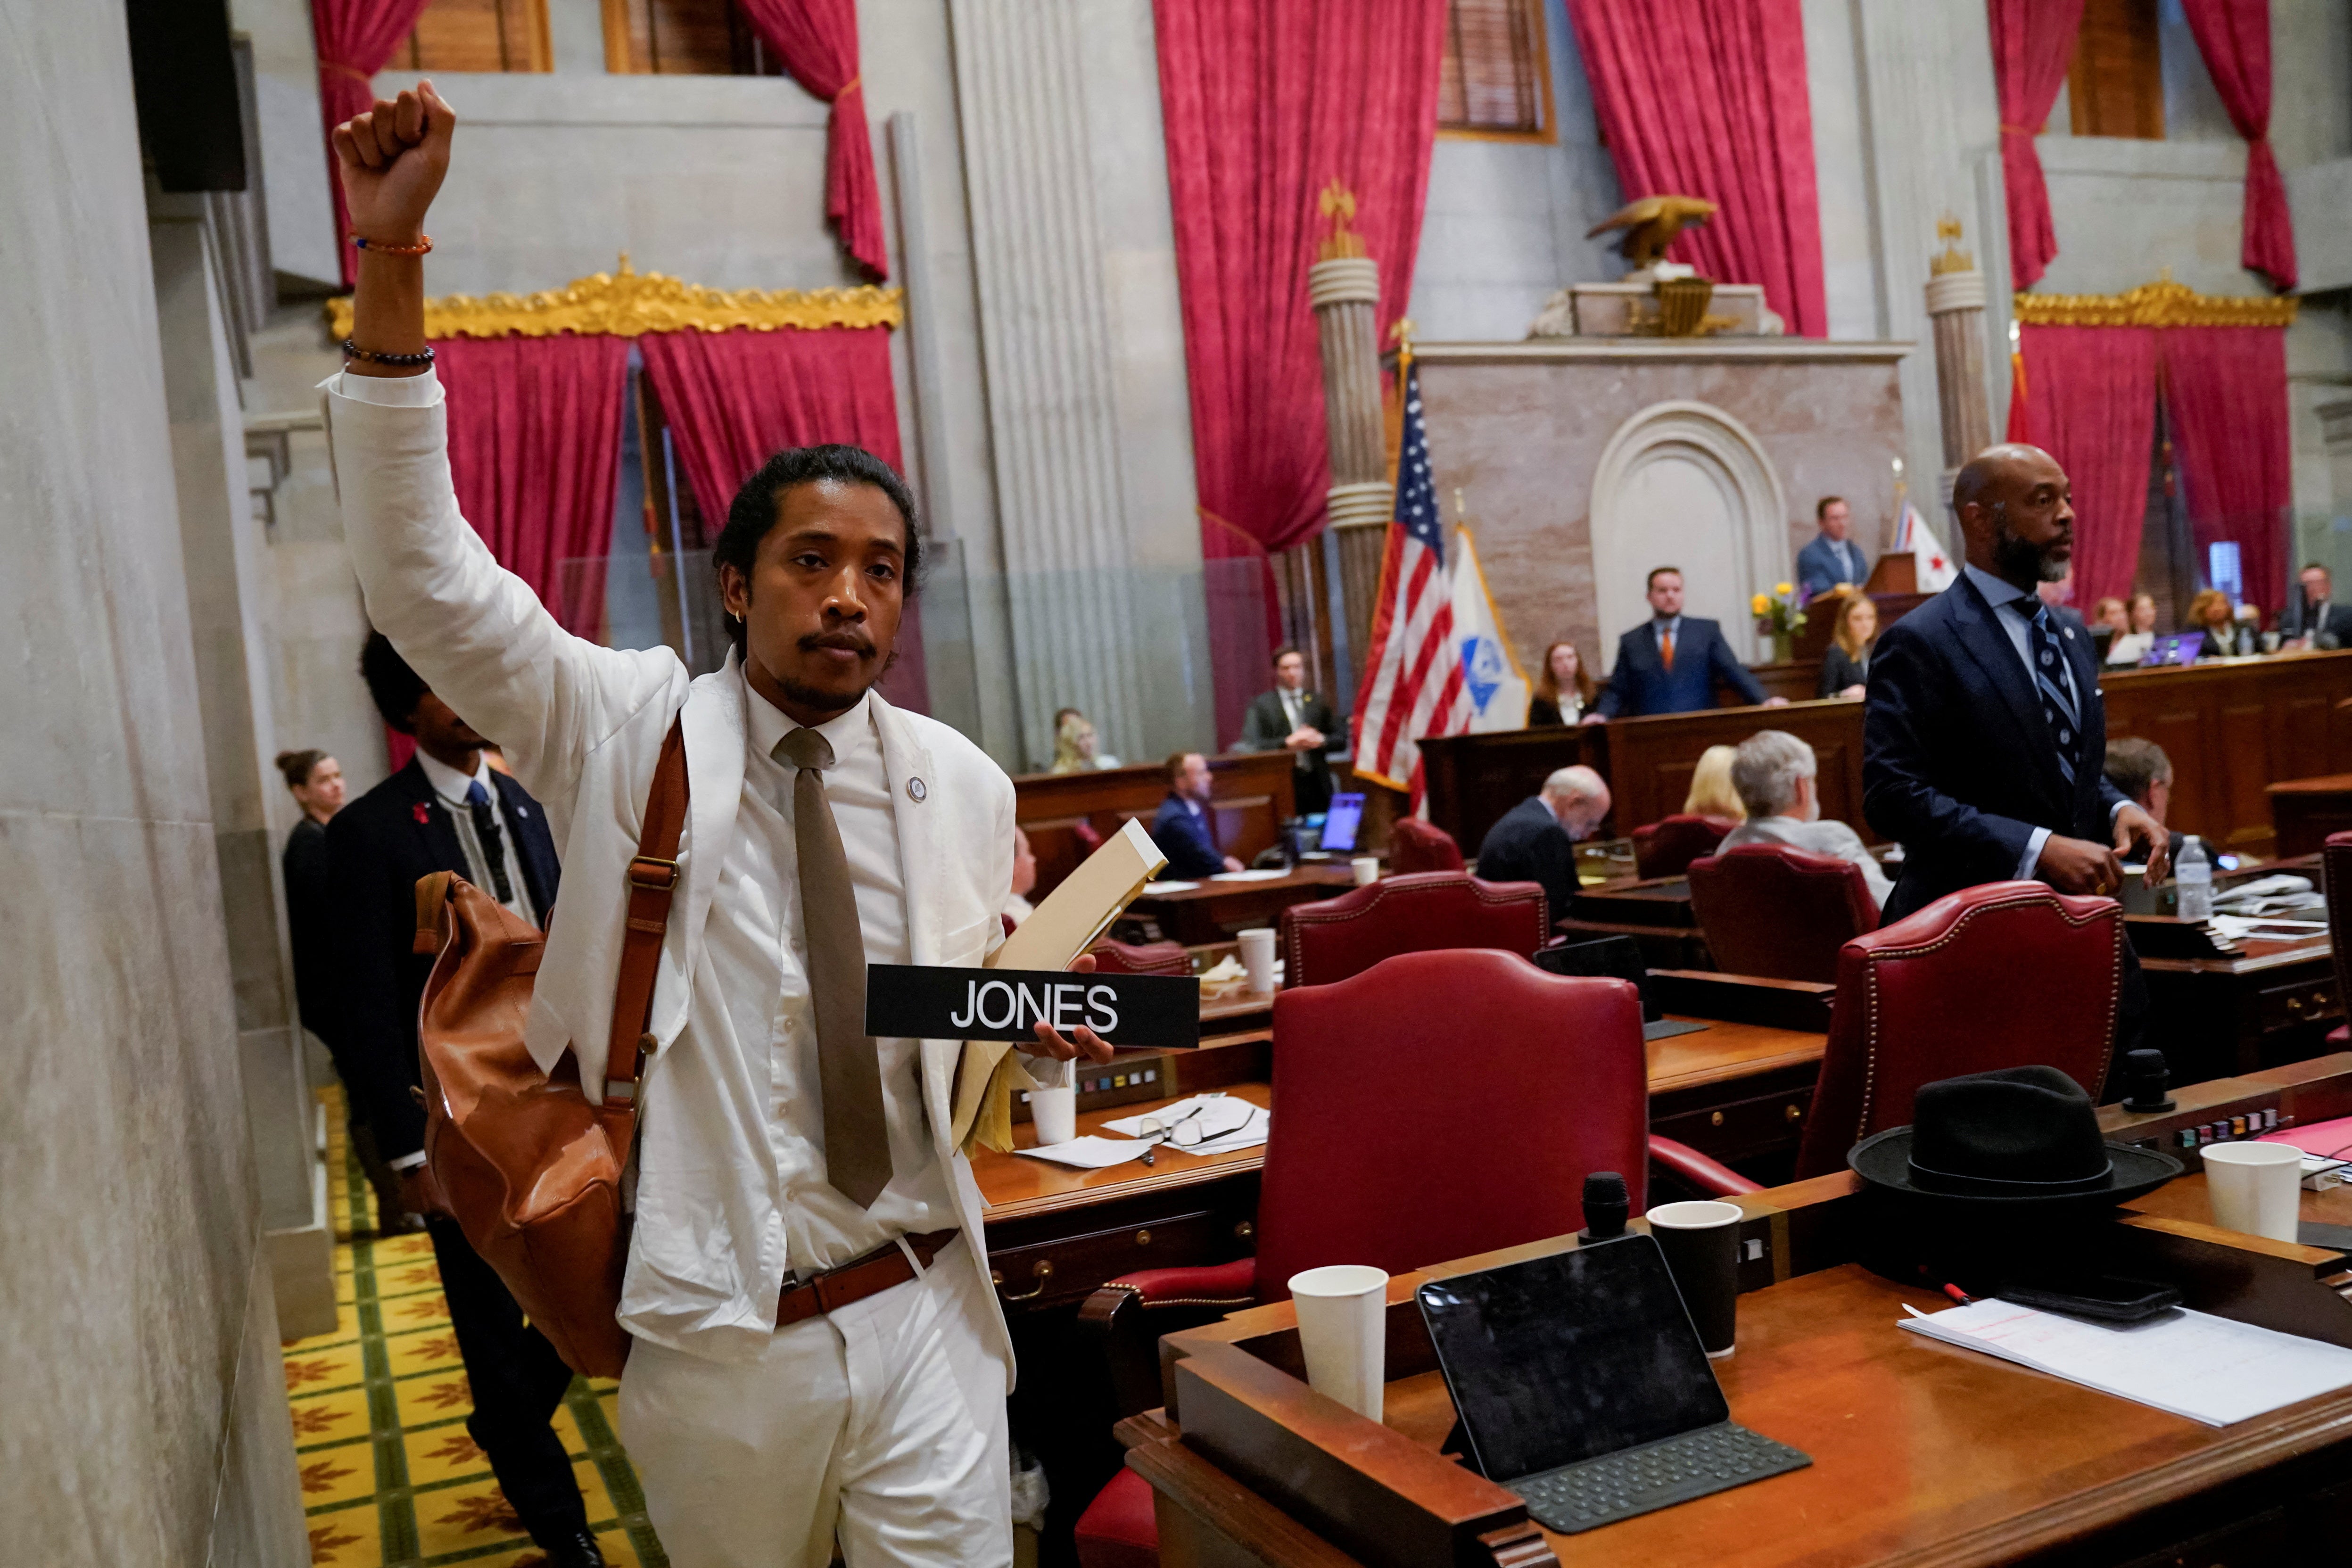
column 1617, row 309
column 1956, row 308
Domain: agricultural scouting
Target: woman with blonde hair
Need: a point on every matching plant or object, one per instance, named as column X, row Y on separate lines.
column 1845, row 665
column 1073, row 745
column 2210, row 613
column 1711, row 793
column 1565, row 689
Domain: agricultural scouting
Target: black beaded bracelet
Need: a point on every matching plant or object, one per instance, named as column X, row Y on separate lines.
column 353, row 350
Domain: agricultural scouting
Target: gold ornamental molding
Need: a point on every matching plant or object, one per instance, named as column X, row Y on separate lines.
column 627, row 303
column 2163, row 303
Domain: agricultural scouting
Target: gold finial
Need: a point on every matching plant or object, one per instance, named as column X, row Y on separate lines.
column 1400, row 334
column 1953, row 259
column 1460, row 512
column 1337, row 203
column 625, row 269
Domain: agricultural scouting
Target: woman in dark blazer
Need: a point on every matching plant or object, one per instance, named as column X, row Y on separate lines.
column 1845, row 666
column 1564, row 691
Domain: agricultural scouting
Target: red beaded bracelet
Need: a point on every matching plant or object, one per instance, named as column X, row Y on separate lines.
column 423, row 244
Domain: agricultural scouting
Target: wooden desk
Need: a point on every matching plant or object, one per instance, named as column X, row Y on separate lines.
column 1249, row 799
column 1215, row 911
column 1921, row 1453
column 1472, row 780
column 2304, row 812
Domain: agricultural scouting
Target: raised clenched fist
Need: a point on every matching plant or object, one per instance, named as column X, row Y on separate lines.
column 392, row 159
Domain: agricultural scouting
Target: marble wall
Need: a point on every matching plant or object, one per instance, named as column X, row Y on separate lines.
column 147, row 1417
column 1521, row 433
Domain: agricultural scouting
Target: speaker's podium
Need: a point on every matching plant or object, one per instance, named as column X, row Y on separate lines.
column 1894, row 587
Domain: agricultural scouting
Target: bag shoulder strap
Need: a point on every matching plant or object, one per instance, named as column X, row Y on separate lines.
column 653, row 883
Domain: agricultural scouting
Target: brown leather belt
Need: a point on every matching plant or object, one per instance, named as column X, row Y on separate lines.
column 858, row 1278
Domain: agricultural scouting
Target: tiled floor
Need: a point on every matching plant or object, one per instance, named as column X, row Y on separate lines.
column 390, row 1479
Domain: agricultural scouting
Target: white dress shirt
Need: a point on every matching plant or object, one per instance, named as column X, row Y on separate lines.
column 759, row 954
column 451, row 786
column 2013, row 607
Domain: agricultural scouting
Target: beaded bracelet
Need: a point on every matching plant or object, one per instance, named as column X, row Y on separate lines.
column 424, row 244
column 353, row 350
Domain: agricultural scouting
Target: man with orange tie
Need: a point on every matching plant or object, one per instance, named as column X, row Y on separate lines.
column 1671, row 664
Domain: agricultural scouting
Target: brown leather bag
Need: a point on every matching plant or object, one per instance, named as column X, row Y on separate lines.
column 533, row 1168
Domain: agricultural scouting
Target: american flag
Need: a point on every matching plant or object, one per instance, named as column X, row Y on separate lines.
column 1414, row 683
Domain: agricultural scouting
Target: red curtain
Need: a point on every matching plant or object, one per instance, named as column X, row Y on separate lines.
column 355, row 38
column 2235, row 35
column 1698, row 98
column 1265, row 104
column 2032, row 41
column 2225, row 391
column 2094, row 408
column 817, row 41
column 535, row 454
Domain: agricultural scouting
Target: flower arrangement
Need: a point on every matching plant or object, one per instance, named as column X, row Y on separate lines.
column 1776, row 614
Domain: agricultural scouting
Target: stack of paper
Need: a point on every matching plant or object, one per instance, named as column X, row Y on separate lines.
column 2205, row 1368
column 1091, row 1153
column 1249, row 876
column 1219, row 1124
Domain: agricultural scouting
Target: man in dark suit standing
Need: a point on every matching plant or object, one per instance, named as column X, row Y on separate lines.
column 2312, row 611
column 449, row 810
column 1291, row 718
column 1533, row 841
column 1181, row 827
column 1832, row 557
column 1984, row 733
column 1673, row 664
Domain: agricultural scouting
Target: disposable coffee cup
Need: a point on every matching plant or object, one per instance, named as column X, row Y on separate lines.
column 1701, row 1241
column 1343, row 1333
column 1367, row 869
column 1055, row 1113
column 2255, row 1188
column 1258, row 957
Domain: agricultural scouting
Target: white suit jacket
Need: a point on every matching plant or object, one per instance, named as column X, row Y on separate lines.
column 582, row 727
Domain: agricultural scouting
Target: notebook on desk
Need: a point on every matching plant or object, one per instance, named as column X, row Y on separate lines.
column 1582, row 1385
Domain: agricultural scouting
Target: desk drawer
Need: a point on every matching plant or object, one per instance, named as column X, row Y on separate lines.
column 1743, row 1128
column 1048, row 1273
column 2305, row 1002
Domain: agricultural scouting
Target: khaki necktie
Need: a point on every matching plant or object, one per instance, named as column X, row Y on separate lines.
column 849, row 1071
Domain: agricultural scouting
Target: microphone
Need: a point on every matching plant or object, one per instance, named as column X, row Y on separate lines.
column 1606, row 1206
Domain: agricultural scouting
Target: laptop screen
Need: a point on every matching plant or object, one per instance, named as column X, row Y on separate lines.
column 2175, row 647
column 1341, row 821
column 1570, row 1356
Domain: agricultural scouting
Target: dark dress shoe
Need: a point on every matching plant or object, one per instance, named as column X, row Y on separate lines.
column 578, row 1549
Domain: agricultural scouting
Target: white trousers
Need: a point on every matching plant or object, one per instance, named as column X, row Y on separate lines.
column 883, row 1421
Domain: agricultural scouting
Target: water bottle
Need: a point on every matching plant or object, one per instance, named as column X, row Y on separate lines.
column 2192, row 875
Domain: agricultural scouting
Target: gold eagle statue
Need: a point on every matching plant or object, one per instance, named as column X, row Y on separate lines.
column 1652, row 224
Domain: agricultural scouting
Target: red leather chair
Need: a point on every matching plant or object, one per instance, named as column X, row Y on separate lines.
column 1417, row 846
column 1142, row 958
column 1666, row 847
column 1344, row 936
column 2007, row 974
column 2336, row 875
column 1501, row 1139
column 1770, row 910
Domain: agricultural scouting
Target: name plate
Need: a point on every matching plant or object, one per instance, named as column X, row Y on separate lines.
column 929, row 1002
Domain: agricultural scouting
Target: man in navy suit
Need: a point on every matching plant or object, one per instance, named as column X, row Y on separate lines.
column 1832, row 557
column 1984, row 730
column 1673, row 664
column 448, row 810
column 1181, row 828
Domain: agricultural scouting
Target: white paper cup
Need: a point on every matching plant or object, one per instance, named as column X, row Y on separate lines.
column 1055, row 1112
column 1258, row 957
column 1367, row 869
column 1343, row 1332
column 2256, row 1188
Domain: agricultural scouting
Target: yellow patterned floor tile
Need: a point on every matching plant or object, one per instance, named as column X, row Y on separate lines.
column 431, row 1350
column 592, row 1489
column 428, row 1399
column 399, row 1278
column 392, row 1251
column 347, row 1538
column 461, row 1518
column 331, row 1366
column 330, row 1417
column 423, row 1311
column 443, row 1454
column 337, row 1474
column 574, row 1443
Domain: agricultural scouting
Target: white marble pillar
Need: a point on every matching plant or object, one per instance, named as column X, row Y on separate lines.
column 1956, row 308
column 1061, row 505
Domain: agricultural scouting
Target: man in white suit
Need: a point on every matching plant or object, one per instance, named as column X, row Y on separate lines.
column 818, row 1352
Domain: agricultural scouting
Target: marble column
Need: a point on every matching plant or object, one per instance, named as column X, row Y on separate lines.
column 1956, row 306
column 1062, row 506
column 140, row 1361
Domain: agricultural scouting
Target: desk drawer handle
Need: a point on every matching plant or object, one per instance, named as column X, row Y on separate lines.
column 1716, row 1120
column 1142, row 1238
column 1041, row 1270
column 1795, row 1112
column 1245, row 1230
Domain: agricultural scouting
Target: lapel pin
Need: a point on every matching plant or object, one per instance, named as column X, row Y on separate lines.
column 916, row 792
column 422, row 812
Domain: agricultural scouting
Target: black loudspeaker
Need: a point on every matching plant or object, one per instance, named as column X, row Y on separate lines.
column 183, row 78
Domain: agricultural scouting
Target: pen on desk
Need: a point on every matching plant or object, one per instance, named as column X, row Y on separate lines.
column 1960, row 1296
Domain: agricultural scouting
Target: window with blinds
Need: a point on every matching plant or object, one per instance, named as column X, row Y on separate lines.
column 1495, row 80
column 2115, row 87
column 683, row 38
column 478, row 35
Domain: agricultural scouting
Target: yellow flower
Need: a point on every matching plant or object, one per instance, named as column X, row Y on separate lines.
column 1782, row 589
column 1760, row 604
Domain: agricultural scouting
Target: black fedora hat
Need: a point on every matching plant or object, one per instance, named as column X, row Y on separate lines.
column 2022, row 1137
